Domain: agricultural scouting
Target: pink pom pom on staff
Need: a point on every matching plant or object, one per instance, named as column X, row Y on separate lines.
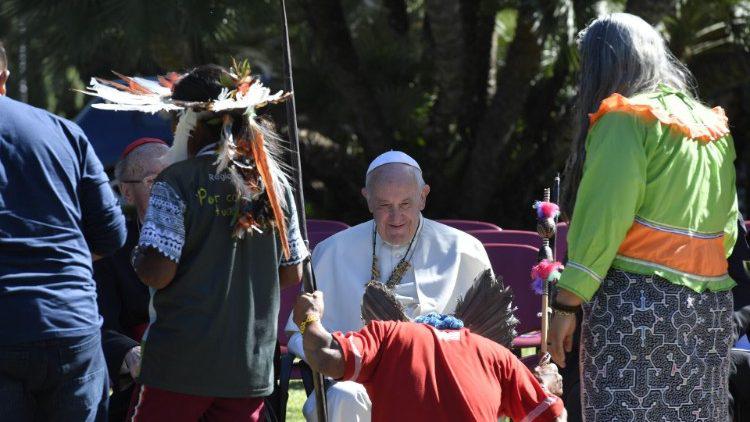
column 545, row 270
column 546, row 210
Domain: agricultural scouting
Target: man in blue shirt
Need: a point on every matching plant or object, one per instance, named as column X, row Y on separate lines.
column 57, row 212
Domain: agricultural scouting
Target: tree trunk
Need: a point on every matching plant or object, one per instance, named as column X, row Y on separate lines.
column 461, row 36
column 584, row 11
column 479, row 27
column 514, row 80
column 398, row 18
column 652, row 11
column 338, row 56
column 448, row 62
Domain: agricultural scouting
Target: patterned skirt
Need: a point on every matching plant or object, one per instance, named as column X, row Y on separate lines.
column 654, row 351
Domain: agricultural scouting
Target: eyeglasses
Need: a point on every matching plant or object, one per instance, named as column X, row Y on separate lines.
column 148, row 180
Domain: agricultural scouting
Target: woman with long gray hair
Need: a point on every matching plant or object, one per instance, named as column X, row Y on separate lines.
column 654, row 220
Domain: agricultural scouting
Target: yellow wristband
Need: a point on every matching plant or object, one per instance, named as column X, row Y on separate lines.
column 310, row 319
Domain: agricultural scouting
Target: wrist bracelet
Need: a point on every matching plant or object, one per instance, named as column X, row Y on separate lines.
column 559, row 307
column 310, row 319
column 563, row 313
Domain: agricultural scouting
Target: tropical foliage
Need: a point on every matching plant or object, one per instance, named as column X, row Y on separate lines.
column 479, row 91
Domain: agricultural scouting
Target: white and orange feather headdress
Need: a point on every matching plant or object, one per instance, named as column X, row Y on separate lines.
column 259, row 154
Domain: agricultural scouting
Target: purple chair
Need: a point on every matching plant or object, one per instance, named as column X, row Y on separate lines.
column 316, row 237
column 513, row 263
column 511, row 237
column 314, row 225
column 288, row 369
column 467, row 225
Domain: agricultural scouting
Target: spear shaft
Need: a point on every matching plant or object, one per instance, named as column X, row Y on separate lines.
column 308, row 278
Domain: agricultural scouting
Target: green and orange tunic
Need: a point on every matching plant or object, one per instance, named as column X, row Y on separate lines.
column 657, row 196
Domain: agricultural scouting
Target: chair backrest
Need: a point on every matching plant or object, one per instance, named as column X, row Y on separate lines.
column 286, row 304
column 467, row 225
column 289, row 295
column 314, row 225
column 512, row 237
column 561, row 241
column 513, row 263
column 316, row 237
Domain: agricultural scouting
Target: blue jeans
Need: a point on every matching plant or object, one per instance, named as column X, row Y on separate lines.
column 56, row 380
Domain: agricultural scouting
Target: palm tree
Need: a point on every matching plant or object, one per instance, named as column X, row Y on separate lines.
column 479, row 91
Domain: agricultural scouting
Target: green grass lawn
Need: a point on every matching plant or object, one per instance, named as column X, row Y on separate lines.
column 296, row 400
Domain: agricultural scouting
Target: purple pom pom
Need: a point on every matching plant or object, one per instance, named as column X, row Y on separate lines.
column 538, row 286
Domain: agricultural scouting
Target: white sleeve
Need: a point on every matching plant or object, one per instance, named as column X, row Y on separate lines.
column 164, row 223
column 295, row 345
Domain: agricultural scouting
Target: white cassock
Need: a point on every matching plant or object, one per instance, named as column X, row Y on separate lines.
column 444, row 263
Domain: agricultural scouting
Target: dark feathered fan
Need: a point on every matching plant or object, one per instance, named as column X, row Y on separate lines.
column 380, row 304
column 487, row 309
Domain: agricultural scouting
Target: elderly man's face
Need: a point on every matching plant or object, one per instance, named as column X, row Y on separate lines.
column 137, row 188
column 396, row 200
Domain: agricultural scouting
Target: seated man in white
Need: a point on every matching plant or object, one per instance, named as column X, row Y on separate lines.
column 429, row 265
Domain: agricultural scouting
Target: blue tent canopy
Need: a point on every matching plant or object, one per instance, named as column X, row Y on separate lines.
column 111, row 131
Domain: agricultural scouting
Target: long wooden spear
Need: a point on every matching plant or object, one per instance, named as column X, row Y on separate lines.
column 308, row 278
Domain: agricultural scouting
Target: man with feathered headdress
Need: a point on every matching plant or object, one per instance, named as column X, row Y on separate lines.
column 219, row 239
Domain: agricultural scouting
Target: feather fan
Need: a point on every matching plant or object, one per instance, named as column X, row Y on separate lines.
column 487, row 309
column 380, row 304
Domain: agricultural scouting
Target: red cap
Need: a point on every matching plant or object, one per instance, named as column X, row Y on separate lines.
column 138, row 142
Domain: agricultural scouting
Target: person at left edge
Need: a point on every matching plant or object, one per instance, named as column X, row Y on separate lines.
column 57, row 212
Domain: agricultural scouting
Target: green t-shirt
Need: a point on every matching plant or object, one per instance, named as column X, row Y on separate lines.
column 213, row 328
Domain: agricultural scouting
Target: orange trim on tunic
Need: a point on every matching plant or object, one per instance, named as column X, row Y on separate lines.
column 706, row 131
column 681, row 252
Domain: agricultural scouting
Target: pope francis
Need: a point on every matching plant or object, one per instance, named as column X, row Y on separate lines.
column 429, row 265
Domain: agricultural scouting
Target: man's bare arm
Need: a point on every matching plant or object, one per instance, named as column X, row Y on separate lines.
column 289, row 275
column 154, row 269
column 563, row 416
column 322, row 351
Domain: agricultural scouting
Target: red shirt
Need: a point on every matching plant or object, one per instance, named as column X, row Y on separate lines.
column 414, row 372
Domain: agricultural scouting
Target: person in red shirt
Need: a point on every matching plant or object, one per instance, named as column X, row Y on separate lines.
column 414, row 371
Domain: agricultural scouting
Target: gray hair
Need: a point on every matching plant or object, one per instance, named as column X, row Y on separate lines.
column 133, row 163
column 372, row 178
column 619, row 53
column 3, row 58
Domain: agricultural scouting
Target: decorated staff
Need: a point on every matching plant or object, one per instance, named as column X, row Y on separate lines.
column 547, row 271
column 308, row 278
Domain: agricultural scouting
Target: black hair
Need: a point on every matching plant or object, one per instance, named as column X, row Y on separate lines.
column 201, row 84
